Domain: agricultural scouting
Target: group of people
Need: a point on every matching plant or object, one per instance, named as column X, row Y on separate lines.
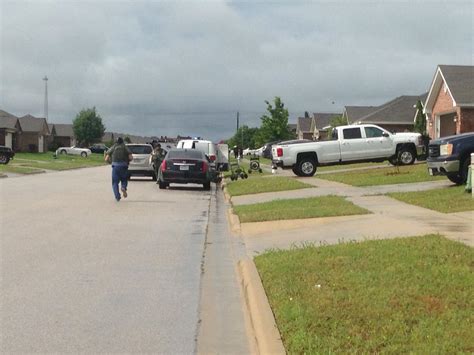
column 120, row 156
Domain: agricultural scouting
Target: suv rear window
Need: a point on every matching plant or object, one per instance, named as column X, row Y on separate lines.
column 185, row 154
column 140, row 149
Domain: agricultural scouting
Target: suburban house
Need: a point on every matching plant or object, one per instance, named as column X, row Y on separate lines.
column 449, row 107
column 10, row 129
column 35, row 132
column 303, row 128
column 352, row 114
column 321, row 124
column 292, row 127
column 62, row 134
column 396, row 115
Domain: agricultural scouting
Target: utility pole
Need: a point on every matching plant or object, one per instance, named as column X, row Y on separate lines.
column 46, row 97
column 237, row 121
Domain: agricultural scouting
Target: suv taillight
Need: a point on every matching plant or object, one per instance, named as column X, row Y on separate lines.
column 163, row 165
column 279, row 152
column 204, row 166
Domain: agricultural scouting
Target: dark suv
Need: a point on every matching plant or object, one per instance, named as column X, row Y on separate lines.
column 6, row 154
column 451, row 156
column 98, row 148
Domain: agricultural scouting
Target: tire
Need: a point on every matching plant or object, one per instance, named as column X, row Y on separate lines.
column 63, row 152
column 254, row 165
column 455, row 178
column 306, row 167
column 206, row 186
column 406, row 156
column 296, row 171
column 393, row 160
column 4, row 159
column 83, row 154
column 464, row 169
column 162, row 185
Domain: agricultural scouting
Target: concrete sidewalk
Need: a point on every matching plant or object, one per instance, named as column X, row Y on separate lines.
column 389, row 218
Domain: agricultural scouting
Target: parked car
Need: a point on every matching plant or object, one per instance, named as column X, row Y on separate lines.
column 142, row 163
column 98, row 148
column 183, row 166
column 6, row 154
column 349, row 144
column 83, row 152
column 451, row 156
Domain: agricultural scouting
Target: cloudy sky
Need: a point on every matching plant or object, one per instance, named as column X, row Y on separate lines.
column 187, row 67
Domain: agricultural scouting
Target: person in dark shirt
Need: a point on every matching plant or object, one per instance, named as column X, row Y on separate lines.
column 120, row 156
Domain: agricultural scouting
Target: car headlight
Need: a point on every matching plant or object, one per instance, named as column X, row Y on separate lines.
column 445, row 149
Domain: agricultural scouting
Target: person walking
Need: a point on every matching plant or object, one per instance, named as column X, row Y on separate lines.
column 120, row 156
column 157, row 157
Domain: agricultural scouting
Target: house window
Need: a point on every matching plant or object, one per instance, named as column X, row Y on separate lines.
column 352, row 133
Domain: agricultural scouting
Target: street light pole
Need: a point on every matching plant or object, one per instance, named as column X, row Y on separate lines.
column 46, row 97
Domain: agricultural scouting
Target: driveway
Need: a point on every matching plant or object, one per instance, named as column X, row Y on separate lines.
column 84, row 273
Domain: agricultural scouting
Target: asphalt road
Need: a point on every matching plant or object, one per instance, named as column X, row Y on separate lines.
column 81, row 272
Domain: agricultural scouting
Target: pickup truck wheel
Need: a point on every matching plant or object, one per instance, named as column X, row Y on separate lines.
column 4, row 159
column 455, row 178
column 307, row 167
column 393, row 160
column 406, row 156
column 296, row 171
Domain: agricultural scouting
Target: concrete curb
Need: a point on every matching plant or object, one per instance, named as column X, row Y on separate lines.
column 267, row 336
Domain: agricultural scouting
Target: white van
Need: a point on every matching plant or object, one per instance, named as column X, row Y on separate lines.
column 207, row 147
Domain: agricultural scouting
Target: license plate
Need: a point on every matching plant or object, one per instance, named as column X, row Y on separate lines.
column 184, row 167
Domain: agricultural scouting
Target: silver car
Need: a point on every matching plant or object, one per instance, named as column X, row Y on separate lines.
column 142, row 164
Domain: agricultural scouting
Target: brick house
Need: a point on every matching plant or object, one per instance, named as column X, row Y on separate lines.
column 34, row 135
column 320, row 124
column 62, row 134
column 449, row 107
column 303, row 128
column 10, row 129
column 396, row 115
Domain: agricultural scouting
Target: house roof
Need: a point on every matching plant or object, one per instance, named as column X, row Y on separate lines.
column 323, row 120
column 354, row 113
column 64, row 129
column 30, row 123
column 459, row 81
column 7, row 120
column 397, row 111
column 304, row 124
column 292, row 126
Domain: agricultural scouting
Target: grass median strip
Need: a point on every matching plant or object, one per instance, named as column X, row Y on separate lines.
column 259, row 184
column 405, row 295
column 324, row 206
column 18, row 169
column 447, row 200
column 383, row 176
column 61, row 162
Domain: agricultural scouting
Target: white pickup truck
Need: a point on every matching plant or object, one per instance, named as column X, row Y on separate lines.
column 349, row 144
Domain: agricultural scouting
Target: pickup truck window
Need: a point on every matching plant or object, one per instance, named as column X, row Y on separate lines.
column 334, row 135
column 352, row 133
column 373, row 132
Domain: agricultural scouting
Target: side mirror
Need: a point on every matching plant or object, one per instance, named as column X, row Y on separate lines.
column 385, row 134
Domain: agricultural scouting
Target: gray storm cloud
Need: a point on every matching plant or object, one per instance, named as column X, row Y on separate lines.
column 169, row 67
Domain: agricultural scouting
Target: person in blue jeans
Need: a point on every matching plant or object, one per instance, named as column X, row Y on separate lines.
column 120, row 156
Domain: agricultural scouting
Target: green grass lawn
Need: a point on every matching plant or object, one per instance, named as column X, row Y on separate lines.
column 18, row 169
column 259, row 184
column 399, row 296
column 447, row 200
column 48, row 162
column 324, row 206
column 383, row 176
column 352, row 166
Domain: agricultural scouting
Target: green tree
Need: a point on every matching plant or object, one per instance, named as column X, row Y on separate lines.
column 88, row 127
column 337, row 120
column 420, row 121
column 244, row 137
column 274, row 125
column 127, row 140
